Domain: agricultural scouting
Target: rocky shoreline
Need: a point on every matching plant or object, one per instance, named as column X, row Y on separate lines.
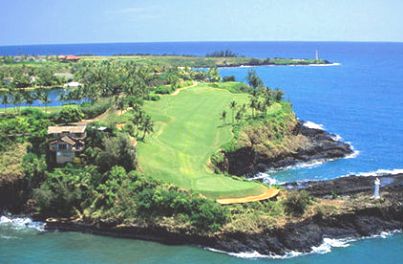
column 321, row 145
column 361, row 217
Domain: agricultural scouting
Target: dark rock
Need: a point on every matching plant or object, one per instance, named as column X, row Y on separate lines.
column 362, row 219
column 322, row 146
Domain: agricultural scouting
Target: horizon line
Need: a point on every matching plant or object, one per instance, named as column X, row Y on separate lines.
column 201, row 41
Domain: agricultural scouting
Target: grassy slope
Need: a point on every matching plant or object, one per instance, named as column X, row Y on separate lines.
column 188, row 132
column 10, row 163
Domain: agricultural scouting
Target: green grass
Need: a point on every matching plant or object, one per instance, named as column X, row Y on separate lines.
column 188, row 131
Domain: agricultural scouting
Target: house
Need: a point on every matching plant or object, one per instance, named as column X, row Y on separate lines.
column 66, row 142
column 72, row 85
column 68, row 58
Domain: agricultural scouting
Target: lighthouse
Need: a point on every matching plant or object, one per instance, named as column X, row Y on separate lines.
column 316, row 55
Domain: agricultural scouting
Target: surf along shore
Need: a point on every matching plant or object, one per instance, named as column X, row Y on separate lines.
column 348, row 211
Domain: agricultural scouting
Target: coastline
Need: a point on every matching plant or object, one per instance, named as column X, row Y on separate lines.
column 367, row 217
column 321, row 146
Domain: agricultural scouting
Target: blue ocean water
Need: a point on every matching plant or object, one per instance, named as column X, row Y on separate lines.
column 361, row 100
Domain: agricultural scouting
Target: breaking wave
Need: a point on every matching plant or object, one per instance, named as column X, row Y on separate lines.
column 20, row 223
column 379, row 172
column 313, row 125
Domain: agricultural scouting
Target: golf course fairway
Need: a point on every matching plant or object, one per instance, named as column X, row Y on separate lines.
column 188, row 130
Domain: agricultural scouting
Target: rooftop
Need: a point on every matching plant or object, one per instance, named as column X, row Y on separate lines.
column 70, row 129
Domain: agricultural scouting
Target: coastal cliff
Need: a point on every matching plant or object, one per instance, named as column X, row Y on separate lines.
column 357, row 215
column 312, row 144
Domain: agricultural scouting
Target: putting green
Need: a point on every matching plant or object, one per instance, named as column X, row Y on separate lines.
column 188, row 131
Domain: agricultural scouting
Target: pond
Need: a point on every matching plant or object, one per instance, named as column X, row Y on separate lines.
column 54, row 98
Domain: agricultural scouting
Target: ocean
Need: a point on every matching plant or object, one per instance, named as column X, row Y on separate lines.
column 360, row 99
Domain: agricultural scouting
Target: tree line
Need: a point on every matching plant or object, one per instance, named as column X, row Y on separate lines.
column 260, row 99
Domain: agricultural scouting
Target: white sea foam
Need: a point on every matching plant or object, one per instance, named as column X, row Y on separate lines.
column 326, row 247
column 354, row 154
column 336, row 137
column 324, row 65
column 313, row 125
column 329, row 243
column 379, row 172
column 19, row 223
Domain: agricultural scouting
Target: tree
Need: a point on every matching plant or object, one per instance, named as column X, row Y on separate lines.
column 253, row 105
column 254, row 80
column 17, row 99
column 34, row 168
column 21, row 79
column 147, row 126
column 117, row 151
column 45, row 77
column 238, row 116
column 263, row 108
column 233, row 106
column 173, row 78
column 213, row 75
column 28, row 97
column 43, row 96
column 224, row 116
column 66, row 190
column 121, row 104
column 5, row 100
column 278, row 95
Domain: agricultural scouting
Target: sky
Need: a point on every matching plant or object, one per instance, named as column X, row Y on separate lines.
column 95, row 21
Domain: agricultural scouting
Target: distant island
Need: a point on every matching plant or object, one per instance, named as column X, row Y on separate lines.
column 154, row 148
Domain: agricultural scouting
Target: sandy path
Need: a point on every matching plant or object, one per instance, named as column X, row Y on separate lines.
column 270, row 193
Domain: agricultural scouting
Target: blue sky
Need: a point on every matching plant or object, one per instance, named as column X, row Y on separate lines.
column 90, row 21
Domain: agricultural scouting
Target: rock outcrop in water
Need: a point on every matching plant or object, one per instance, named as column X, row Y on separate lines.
column 320, row 145
column 359, row 216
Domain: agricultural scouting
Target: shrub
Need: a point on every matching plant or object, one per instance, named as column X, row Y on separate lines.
column 92, row 110
column 70, row 114
column 164, row 89
column 208, row 215
column 230, row 78
column 296, row 202
column 153, row 97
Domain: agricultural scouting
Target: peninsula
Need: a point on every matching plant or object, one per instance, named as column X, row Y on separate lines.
column 158, row 150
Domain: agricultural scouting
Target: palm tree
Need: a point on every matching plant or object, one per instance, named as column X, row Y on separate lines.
column 121, row 105
column 254, row 80
column 233, row 106
column 17, row 99
column 263, row 108
column 224, row 116
column 4, row 101
column 253, row 104
column 238, row 116
column 147, row 126
column 29, row 99
column 43, row 96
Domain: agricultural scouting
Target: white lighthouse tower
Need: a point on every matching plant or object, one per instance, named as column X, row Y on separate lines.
column 316, row 55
